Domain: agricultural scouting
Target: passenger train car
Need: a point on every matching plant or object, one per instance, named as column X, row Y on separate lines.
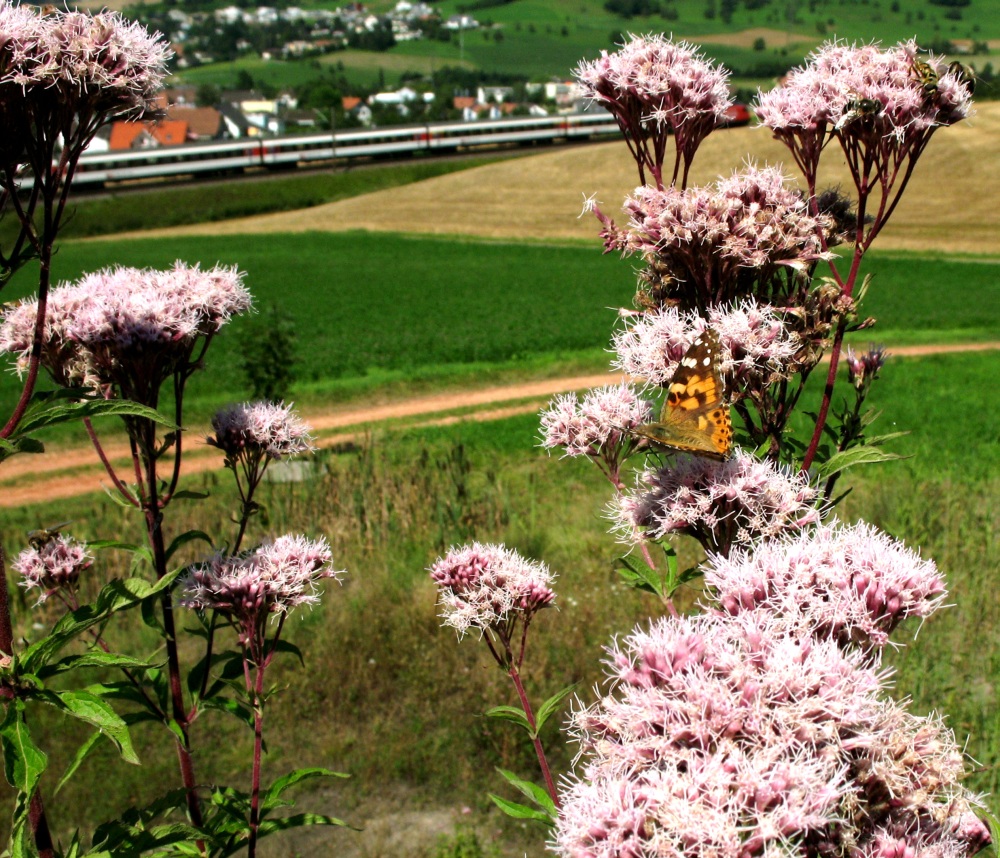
column 229, row 156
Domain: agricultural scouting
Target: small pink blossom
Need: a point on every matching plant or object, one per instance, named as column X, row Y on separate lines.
column 757, row 346
column 275, row 577
column 86, row 65
column 255, row 429
column 55, row 564
column 881, row 105
column 749, row 735
column 714, row 244
column 656, row 88
column 484, row 586
column 602, row 420
column 125, row 326
column 853, row 582
column 721, row 504
column 863, row 368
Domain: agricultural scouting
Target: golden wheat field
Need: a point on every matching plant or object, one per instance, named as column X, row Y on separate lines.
column 951, row 204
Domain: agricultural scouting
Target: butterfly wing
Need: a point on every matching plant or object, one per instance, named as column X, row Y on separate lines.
column 695, row 417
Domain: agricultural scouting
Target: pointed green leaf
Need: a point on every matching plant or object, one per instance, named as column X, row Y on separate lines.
column 531, row 791
column 640, row 576
column 52, row 414
column 549, row 706
column 185, row 538
column 90, row 708
column 23, row 762
column 78, row 758
column 520, row 811
column 509, row 713
column 271, row 796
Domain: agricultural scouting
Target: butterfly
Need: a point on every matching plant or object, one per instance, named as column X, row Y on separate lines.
column 695, row 417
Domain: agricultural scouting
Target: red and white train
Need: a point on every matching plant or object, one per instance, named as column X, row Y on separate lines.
column 228, row 156
column 232, row 156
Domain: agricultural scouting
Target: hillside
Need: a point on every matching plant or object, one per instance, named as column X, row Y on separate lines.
column 951, row 204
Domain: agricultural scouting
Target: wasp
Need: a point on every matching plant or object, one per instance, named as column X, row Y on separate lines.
column 966, row 75
column 927, row 77
column 38, row 539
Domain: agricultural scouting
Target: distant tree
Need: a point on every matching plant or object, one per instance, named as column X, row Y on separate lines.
column 207, row 95
column 759, row 44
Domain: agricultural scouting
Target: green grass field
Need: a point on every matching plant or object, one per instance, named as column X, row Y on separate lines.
column 444, row 308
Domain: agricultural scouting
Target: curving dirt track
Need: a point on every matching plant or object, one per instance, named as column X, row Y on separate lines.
column 74, row 471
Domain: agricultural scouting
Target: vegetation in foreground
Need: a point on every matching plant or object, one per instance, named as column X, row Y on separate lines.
column 403, row 710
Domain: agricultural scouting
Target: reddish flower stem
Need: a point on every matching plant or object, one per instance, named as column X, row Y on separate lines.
column 539, row 751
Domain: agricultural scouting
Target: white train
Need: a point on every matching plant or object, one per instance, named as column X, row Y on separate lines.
column 191, row 159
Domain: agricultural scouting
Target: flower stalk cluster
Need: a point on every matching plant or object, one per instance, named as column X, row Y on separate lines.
column 498, row 592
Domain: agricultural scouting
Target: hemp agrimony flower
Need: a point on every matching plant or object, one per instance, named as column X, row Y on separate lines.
column 599, row 427
column 271, row 579
column 254, row 429
column 52, row 565
column 737, row 502
column 490, row 587
column 852, row 583
column 656, row 88
column 744, row 236
column 126, row 328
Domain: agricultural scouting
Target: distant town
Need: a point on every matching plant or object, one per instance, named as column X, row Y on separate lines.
column 252, row 108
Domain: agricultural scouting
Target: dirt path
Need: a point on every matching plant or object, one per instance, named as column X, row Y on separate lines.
column 73, row 471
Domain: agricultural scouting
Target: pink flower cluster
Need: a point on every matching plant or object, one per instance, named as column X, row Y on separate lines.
column 721, row 504
column 484, row 586
column 756, row 733
column 758, row 347
column 273, row 578
column 256, row 429
column 710, row 240
column 655, row 87
column 852, row 583
column 125, row 326
column 888, row 100
column 603, row 420
column 90, row 64
column 55, row 564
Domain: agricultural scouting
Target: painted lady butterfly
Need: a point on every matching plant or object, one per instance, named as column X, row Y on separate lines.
column 695, row 417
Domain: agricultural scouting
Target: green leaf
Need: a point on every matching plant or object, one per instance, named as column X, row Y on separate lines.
column 640, row 577
column 88, row 707
column 46, row 414
column 78, row 758
column 290, row 648
column 186, row 494
column 510, row 713
column 94, row 658
column 531, row 791
column 186, row 537
column 23, row 762
column 298, row 820
column 115, row 596
column 232, row 707
column 520, row 811
column 549, row 706
column 272, row 797
column 864, row 455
